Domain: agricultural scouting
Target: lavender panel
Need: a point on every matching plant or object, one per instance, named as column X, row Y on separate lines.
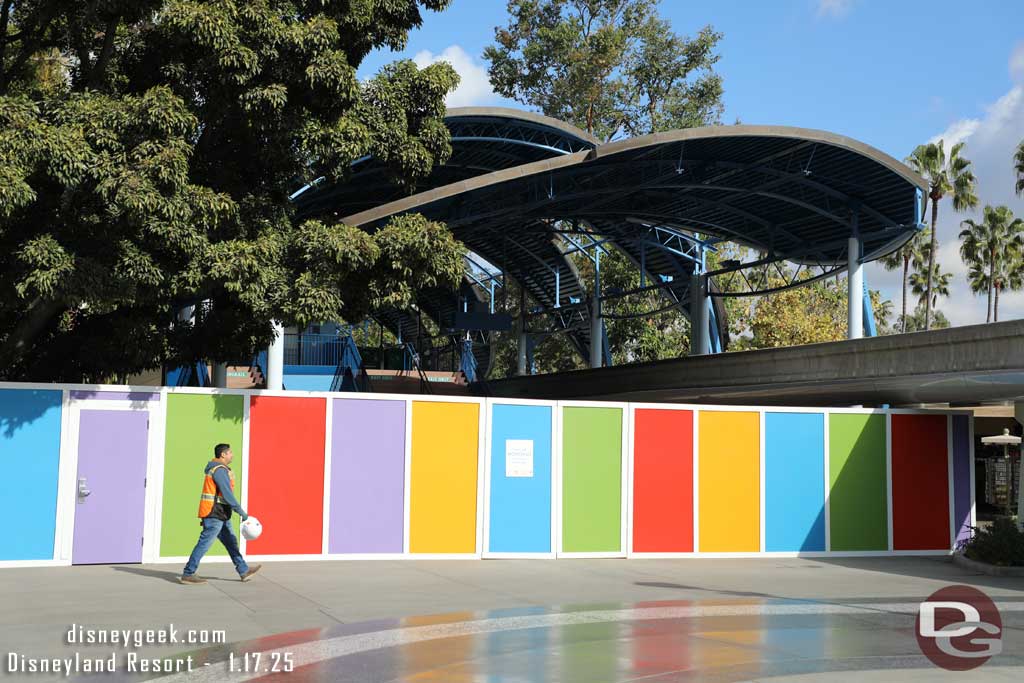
column 112, row 450
column 367, row 512
column 962, row 464
column 115, row 395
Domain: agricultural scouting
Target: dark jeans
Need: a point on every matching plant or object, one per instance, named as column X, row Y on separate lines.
column 212, row 530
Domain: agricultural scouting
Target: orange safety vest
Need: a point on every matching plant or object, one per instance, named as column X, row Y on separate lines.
column 209, row 496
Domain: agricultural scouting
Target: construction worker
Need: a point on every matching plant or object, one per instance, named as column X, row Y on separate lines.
column 215, row 506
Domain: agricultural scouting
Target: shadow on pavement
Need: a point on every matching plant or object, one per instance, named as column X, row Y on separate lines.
column 153, row 574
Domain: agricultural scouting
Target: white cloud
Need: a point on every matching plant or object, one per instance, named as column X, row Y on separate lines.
column 1017, row 63
column 474, row 86
column 834, row 8
column 990, row 141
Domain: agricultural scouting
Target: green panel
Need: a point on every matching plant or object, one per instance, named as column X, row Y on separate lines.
column 591, row 480
column 857, row 482
column 195, row 424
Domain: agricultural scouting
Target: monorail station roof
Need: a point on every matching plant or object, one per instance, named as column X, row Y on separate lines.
column 519, row 187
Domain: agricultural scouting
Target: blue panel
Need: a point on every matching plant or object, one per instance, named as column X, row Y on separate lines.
column 794, row 484
column 520, row 507
column 29, row 458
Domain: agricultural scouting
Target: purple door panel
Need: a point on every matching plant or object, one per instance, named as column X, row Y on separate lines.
column 112, row 449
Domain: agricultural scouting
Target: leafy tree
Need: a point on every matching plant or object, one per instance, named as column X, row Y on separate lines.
column 915, row 321
column 952, row 176
column 1018, row 167
column 902, row 258
column 147, row 154
column 611, row 67
column 989, row 248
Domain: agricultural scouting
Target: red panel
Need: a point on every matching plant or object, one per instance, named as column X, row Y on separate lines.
column 920, row 482
column 663, row 481
column 286, row 474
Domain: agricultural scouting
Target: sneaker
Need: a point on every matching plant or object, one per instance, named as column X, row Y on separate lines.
column 190, row 579
column 253, row 568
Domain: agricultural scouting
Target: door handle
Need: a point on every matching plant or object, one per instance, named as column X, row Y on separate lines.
column 83, row 490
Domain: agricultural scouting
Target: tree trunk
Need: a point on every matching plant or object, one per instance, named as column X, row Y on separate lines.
column 995, row 310
column 906, row 265
column 19, row 341
column 991, row 282
column 931, row 262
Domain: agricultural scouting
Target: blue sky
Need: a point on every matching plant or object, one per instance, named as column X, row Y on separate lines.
column 891, row 73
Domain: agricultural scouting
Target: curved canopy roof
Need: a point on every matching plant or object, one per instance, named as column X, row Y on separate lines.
column 791, row 194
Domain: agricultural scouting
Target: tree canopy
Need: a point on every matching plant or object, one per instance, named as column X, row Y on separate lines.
column 612, row 67
column 148, row 151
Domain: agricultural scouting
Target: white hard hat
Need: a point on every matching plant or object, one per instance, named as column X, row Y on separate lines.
column 251, row 528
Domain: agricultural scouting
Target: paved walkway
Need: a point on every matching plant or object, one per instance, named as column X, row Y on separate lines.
column 511, row 620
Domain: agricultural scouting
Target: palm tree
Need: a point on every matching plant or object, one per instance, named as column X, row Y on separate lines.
column 1012, row 279
column 1018, row 166
column 937, row 284
column 945, row 176
column 902, row 258
column 987, row 247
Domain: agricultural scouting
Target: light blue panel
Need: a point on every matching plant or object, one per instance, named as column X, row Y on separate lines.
column 520, row 507
column 29, row 459
column 308, row 382
column 794, row 482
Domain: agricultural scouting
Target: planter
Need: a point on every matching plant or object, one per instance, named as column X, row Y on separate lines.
column 964, row 562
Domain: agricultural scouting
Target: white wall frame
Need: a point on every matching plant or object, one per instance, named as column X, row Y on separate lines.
column 623, row 476
column 64, row 532
column 490, row 404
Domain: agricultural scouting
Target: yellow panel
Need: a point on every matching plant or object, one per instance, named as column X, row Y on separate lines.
column 442, row 503
column 730, row 482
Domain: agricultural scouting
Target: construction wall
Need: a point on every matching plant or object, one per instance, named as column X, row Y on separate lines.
column 373, row 476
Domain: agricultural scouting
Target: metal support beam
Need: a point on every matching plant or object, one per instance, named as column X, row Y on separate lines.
column 596, row 328
column 275, row 359
column 521, row 365
column 855, row 286
column 220, row 375
column 700, row 341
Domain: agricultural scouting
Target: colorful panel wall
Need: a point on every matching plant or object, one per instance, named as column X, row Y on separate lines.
column 592, row 480
column 286, row 474
column 794, row 482
column 858, row 494
column 729, row 481
column 30, row 431
column 367, row 508
column 443, row 487
column 963, row 489
column 195, row 424
column 519, row 506
column 662, row 481
column 920, row 482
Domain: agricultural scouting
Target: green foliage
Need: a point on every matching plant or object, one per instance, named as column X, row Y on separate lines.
column 914, row 321
column 1001, row 544
column 952, row 176
column 611, row 67
column 994, row 252
column 1018, row 168
column 147, row 153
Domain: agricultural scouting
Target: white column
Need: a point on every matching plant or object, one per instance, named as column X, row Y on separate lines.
column 855, row 291
column 220, row 375
column 1019, row 413
column 596, row 336
column 275, row 359
column 700, row 335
